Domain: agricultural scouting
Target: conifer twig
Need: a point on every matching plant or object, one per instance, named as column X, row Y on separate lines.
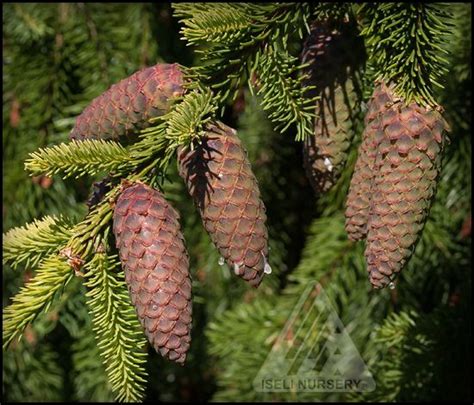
column 35, row 297
column 118, row 333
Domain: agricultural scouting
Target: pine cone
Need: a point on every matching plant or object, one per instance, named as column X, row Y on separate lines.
column 219, row 178
column 128, row 106
column 406, row 168
column 360, row 190
column 156, row 267
column 335, row 56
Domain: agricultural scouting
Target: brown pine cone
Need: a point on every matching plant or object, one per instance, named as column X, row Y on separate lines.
column 406, row 168
column 219, row 178
column 360, row 190
column 128, row 106
column 156, row 266
column 336, row 56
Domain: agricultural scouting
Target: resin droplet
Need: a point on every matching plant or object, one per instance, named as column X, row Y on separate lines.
column 391, row 285
column 328, row 164
column 236, row 269
column 220, row 175
column 221, row 261
column 267, row 268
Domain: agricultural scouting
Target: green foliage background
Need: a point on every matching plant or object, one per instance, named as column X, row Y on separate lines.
column 415, row 339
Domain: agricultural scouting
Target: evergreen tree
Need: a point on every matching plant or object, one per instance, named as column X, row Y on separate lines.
column 65, row 290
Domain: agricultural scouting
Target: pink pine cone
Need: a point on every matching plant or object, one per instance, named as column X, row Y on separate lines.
column 406, row 168
column 156, row 266
column 360, row 190
column 219, row 177
column 127, row 106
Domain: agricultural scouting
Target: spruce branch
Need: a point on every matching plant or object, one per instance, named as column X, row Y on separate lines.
column 77, row 158
column 233, row 46
column 229, row 45
column 282, row 94
column 157, row 145
column 28, row 24
column 86, row 235
column 390, row 337
column 331, row 11
column 413, row 356
column 187, row 121
column 118, row 332
column 405, row 46
column 226, row 70
column 182, row 124
column 30, row 243
column 35, row 297
column 90, row 378
column 282, row 20
column 206, row 22
column 39, row 371
column 461, row 42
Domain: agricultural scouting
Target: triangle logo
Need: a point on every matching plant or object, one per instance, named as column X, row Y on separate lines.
column 314, row 352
